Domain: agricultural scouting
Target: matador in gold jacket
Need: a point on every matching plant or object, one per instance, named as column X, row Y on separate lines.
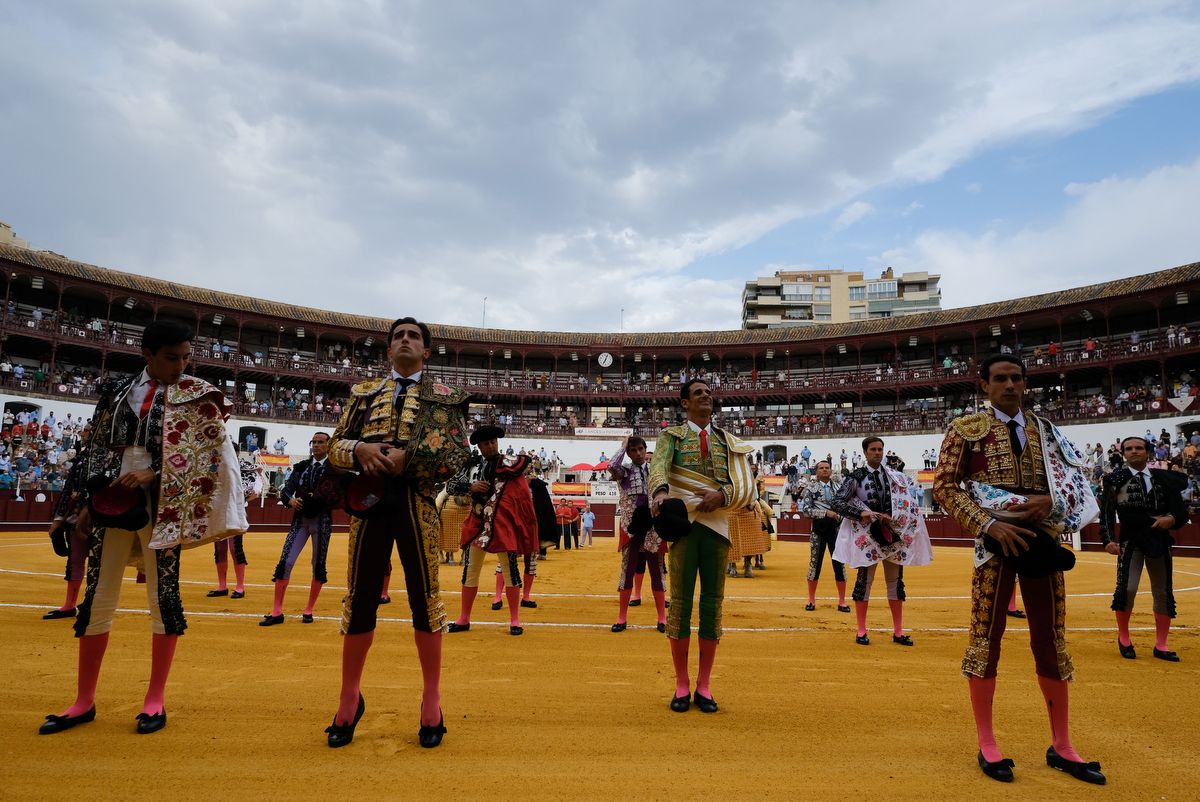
column 1005, row 473
column 410, row 431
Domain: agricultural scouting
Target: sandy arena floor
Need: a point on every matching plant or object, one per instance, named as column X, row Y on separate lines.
column 573, row 711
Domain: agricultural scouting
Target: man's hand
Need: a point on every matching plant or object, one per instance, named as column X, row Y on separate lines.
column 295, row 503
column 711, row 500
column 1113, row 547
column 1163, row 522
column 1012, row 539
column 140, row 478
column 831, row 514
column 656, row 502
column 1036, row 509
column 378, row 459
column 865, row 517
column 479, row 487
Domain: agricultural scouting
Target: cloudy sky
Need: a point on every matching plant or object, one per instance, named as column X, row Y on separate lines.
column 568, row 160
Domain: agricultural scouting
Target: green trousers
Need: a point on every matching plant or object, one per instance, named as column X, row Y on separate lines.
column 706, row 553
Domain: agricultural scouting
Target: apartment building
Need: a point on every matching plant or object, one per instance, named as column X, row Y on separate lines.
column 809, row 297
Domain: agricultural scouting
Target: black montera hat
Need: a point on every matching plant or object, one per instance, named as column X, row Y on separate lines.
column 488, row 432
column 640, row 522
column 116, row 505
column 672, row 522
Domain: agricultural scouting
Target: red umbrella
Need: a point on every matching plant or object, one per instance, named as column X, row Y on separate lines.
column 601, row 466
column 583, row 466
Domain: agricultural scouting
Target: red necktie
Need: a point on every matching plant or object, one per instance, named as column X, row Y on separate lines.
column 704, row 444
column 148, row 401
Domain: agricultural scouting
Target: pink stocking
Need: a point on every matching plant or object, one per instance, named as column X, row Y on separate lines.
column 812, row 591
column 708, row 655
column 383, row 594
column 72, row 594
column 314, row 590
column 841, row 589
column 1056, row 692
column 982, row 693
column 354, row 657
column 528, row 582
column 1162, row 626
column 468, row 601
column 860, row 613
column 239, row 570
column 499, row 587
column 222, row 573
column 429, row 652
column 513, row 594
column 277, row 609
column 679, row 656
column 1012, row 605
column 623, row 597
column 660, row 604
column 162, row 652
column 1123, row 627
column 91, row 656
column 897, row 616
column 637, row 585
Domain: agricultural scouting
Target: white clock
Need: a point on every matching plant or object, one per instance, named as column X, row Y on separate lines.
column 605, row 359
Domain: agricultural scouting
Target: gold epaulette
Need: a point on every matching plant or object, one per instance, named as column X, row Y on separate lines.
column 973, row 427
column 679, row 431
column 368, row 388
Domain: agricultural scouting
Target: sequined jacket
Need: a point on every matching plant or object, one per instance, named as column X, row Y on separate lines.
column 679, row 447
column 978, row 447
column 1124, row 495
column 430, row 424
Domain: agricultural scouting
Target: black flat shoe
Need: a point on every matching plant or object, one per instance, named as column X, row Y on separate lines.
column 619, row 627
column 342, row 734
column 1170, row 657
column 1001, row 770
column 214, row 593
column 1016, row 614
column 147, row 723
column 453, row 627
column 430, row 736
column 528, row 603
column 516, row 630
column 1088, row 772
column 55, row 723
column 306, row 618
column 238, row 594
column 271, row 620
column 385, row 599
column 705, row 703
column 1127, row 651
column 810, row 607
column 635, row 602
column 862, row 640
column 680, row 704
column 903, row 640
column 53, row 614
column 498, row 605
column 843, row 608
column 662, row 627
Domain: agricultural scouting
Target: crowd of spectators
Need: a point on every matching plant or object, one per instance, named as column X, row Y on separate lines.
column 36, row 455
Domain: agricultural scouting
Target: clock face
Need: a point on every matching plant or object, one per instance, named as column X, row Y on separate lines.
column 604, row 359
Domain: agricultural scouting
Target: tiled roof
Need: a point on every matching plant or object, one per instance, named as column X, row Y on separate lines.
column 1134, row 285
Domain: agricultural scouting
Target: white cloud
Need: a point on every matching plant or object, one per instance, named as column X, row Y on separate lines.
column 974, row 188
column 1115, row 227
column 562, row 162
column 852, row 214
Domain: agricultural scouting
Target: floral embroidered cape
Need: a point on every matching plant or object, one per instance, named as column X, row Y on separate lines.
column 201, row 497
column 857, row 549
